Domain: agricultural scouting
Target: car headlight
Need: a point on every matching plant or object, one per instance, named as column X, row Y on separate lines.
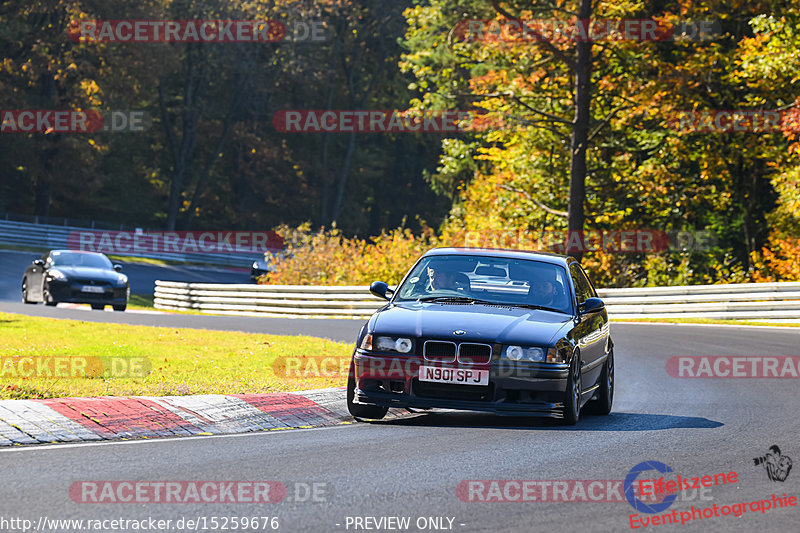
column 122, row 279
column 523, row 353
column 56, row 275
column 255, row 265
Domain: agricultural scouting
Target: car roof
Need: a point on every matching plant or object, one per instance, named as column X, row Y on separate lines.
column 544, row 257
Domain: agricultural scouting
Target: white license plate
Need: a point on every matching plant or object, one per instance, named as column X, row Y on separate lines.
column 92, row 288
column 459, row 376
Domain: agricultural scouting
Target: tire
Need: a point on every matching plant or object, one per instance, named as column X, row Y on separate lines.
column 25, row 292
column 374, row 412
column 47, row 299
column 605, row 398
column 98, row 307
column 572, row 394
column 120, row 307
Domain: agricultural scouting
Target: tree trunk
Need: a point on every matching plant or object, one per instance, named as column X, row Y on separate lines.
column 44, row 181
column 351, row 148
column 580, row 131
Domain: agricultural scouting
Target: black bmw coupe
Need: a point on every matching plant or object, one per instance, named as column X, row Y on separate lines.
column 501, row 331
column 75, row 277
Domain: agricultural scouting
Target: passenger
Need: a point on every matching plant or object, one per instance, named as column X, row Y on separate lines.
column 544, row 291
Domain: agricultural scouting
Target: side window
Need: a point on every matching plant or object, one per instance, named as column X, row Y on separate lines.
column 589, row 286
column 583, row 289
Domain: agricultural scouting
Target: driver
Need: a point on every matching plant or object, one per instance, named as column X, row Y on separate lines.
column 442, row 276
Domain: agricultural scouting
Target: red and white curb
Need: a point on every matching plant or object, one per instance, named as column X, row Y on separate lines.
column 134, row 417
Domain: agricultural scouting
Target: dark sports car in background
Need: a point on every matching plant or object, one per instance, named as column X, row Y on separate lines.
column 259, row 267
column 75, row 277
column 507, row 332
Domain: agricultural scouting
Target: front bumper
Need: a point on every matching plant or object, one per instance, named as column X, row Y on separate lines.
column 71, row 292
column 515, row 388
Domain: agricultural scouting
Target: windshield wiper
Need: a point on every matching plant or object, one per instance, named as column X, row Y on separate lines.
column 538, row 307
column 452, row 299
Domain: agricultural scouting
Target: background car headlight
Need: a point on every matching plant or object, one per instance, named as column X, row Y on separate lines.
column 393, row 344
column 523, row 353
column 255, row 265
column 56, row 275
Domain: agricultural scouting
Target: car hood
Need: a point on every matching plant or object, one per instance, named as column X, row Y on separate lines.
column 506, row 325
column 97, row 274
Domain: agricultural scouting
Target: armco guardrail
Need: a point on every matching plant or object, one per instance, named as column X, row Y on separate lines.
column 275, row 300
column 51, row 237
column 768, row 301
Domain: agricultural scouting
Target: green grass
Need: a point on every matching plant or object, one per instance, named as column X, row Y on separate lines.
column 180, row 361
column 730, row 322
column 141, row 301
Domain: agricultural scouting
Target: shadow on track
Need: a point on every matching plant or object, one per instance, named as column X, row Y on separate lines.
column 612, row 422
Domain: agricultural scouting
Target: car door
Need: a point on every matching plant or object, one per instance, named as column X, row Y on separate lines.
column 592, row 330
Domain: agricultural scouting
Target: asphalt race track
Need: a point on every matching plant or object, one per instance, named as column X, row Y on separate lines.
column 412, row 467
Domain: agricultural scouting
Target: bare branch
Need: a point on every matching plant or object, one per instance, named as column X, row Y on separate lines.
column 551, row 116
column 538, row 204
column 606, row 120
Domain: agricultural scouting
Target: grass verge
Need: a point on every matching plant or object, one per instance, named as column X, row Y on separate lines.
column 141, row 301
column 729, row 322
column 98, row 359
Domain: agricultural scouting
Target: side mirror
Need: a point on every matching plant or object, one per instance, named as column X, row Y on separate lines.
column 591, row 305
column 38, row 262
column 117, row 267
column 381, row 290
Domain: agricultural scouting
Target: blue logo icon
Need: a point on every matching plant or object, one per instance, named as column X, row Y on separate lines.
column 629, row 485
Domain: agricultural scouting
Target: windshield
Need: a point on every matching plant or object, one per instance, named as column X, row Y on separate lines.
column 489, row 280
column 79, row 259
